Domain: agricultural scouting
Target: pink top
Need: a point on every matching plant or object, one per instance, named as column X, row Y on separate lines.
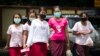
column 16, row 35
column 59, row 28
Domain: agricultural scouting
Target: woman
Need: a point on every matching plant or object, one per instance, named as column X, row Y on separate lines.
column 82, row 30
column 60, row 33
column 32, row 15
column 42, row 10
column 15, row 36
column 38, row 36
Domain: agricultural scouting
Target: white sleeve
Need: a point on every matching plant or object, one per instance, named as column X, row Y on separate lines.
column 30, row 34
column 75, row 28
column 25, row 27
column 9, row 30
column 90, row 26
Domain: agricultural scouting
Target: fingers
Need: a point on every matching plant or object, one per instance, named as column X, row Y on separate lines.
column 24, row 46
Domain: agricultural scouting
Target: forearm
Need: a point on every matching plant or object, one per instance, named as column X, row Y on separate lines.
column 89, row 31
column 24, row 39
column 8, row 40
column 25, row 35
column 67, row 38
column 76, row 33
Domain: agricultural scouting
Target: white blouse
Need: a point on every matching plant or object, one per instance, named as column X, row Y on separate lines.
column 39, row 32
column 83, row 39
column 26, row 26
column 16, row 35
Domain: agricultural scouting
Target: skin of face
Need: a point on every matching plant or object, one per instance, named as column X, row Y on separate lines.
column 17, row 16
column 32, row 15
column 84, row 16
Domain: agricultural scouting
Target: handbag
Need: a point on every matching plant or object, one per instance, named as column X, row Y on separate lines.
column 69, row 53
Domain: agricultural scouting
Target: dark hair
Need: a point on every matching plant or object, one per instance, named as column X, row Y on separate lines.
column 19, row 16
column 42, row 8
column 81, row 14
column 31, row 11
column 59, row 9
column 55, row 7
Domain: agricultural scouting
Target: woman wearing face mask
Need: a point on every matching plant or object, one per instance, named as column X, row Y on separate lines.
column 14, row 32
column 60, row 33
column 32, row 16
column 38, row 36
column 82, row 30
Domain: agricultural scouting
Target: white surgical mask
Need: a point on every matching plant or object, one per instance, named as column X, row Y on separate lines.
column 17, row 20
column 31, row 19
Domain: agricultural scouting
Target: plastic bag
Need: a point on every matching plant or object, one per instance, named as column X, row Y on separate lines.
column 69, row 53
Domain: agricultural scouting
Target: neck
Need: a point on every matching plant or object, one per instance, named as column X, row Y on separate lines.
column 57, row 17
column 17, row 25
column 84, row 23
column 41, row 19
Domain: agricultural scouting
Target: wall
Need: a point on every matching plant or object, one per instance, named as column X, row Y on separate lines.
column 7, row 16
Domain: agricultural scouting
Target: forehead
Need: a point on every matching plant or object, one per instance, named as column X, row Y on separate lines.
column 16, row 15
column 56, row 9
column 32, row 14
column 84, row 14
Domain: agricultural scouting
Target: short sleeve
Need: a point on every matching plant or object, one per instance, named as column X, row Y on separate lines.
column 50, row 22
column 9, row 30
column 90, row 26
column 75, row 28
column 25, row 26
column 66, row 22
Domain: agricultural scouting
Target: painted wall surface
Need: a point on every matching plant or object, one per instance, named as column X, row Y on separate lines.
column 7, row 19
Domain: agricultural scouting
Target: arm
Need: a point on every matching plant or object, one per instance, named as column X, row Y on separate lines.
column 77, row 33
column 9, row 32
column 90, row 28
column 25, row 35
column 8, row 41
column 67, row 37
column 75, row 30
column 30, row 34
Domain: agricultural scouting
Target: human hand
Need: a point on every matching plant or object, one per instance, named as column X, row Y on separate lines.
column 48, row 47
column 24, row 46
column 86, row 32
column 6, row 47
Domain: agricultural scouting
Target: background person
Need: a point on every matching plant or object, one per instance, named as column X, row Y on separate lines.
column 82, row 30
column 59, row 36
column 14, row 32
